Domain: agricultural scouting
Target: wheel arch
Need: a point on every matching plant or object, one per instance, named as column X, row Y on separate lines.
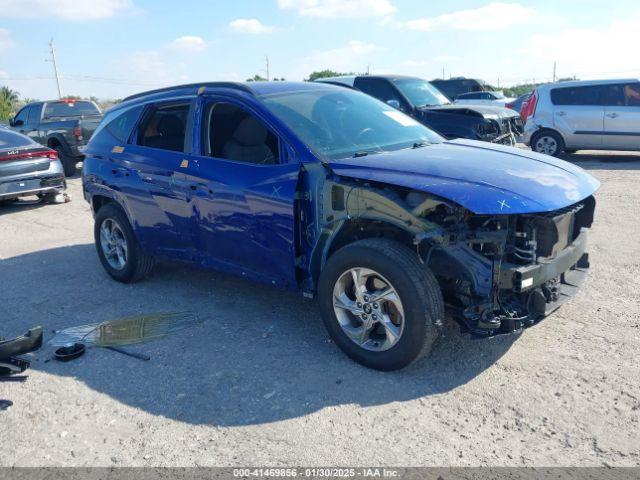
column 58, row 141
column 541, row 130
column 350, row 231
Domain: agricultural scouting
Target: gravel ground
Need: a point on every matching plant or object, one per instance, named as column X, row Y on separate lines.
column 260, row 383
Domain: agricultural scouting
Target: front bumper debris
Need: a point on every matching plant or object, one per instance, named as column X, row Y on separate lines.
column 527, row 294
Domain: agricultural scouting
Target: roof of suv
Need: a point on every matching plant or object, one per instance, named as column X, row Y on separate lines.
column 350, row 79
column 585, row 83
column 252, row 88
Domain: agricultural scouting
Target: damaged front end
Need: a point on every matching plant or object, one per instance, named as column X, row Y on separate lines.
column 524, row 266
column 498, row 273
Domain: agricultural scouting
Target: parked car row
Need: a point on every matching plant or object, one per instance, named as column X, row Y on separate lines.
column 426, row 104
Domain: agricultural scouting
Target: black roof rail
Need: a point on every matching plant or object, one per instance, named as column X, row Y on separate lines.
column 234, row 85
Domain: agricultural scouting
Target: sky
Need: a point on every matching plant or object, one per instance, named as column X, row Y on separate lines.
column 113, row 48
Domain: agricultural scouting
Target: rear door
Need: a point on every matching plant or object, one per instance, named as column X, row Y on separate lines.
column 146, row 171
column 622, row 117
column 578, row 113
column 243, row 185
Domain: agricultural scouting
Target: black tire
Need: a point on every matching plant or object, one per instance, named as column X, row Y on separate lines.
column 138, row 263
column 538, row 142
column 416, row 286
column 68, row 162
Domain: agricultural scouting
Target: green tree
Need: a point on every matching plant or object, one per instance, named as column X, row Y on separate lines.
column 325, row 74
column 8, row 102
column 256, row 78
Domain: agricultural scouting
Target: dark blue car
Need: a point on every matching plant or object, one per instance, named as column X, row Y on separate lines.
column 326, row 190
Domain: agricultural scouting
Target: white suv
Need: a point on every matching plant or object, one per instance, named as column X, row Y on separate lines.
column 583, row 115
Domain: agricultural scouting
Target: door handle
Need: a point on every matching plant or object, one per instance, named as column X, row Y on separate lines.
column 120, row 172
column 612, row 115
column 201, row 189
column 561, row 114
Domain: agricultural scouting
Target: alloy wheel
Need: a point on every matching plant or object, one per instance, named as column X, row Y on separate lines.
column 368, row 309
column 113, row 244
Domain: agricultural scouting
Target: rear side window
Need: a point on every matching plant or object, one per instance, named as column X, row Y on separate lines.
column 10, row 139
column 589, row 95
column 121, row 126
column 165, row 127
column 69, row 108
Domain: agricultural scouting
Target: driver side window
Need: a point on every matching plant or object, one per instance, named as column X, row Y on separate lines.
column 232, row 133
column 22, row 115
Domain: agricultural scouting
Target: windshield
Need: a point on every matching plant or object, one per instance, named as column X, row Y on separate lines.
column 340, row 123
column 69, row 108
column 421, row 93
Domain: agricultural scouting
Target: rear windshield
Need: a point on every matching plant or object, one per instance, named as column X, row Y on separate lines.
column 70, row 109
column 10, row 139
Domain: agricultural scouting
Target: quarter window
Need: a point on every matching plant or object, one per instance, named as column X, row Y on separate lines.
column 165, row 127
column 121, row 126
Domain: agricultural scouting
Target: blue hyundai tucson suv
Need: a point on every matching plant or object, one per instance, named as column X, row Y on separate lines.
column 326, row 190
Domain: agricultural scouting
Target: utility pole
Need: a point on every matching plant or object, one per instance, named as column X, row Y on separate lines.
column 55, row 67
column 266, row 59
column 443, row 72
column 554, row 72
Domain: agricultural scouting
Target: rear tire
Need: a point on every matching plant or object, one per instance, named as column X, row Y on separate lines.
column 547, row 142
column 418, row 291
column 68, row 162
column 118, row 249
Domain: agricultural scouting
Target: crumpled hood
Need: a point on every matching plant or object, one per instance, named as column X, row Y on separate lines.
column 486, row 111
column 482, row 177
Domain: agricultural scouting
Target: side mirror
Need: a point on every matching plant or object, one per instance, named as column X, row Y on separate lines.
column 394, row 103
column 16, row 123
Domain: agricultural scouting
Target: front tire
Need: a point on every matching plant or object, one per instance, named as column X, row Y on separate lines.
column 118, row 249
column 548, row 142
column 380, row 305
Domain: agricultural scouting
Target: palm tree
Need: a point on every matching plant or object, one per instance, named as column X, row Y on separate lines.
column 8, row 100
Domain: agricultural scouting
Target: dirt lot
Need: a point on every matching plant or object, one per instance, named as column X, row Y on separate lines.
column 260, row 384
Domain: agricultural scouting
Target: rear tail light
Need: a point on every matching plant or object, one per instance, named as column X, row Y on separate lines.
column 77, row 132
column 529, row 108
column 49, row 154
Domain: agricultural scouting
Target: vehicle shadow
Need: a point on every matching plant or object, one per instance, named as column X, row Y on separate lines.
column 22, row 204
column 260, row 355
column 592, row 160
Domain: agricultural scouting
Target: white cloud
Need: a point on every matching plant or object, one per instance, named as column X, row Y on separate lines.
column 416, row 63
column 355, row 56
column 64, row 9
column 150, row 67
column 250, row 25
column 6, row 42
column 339, row 8
column 188, row 44
column 491, row 17
column 607, row 51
